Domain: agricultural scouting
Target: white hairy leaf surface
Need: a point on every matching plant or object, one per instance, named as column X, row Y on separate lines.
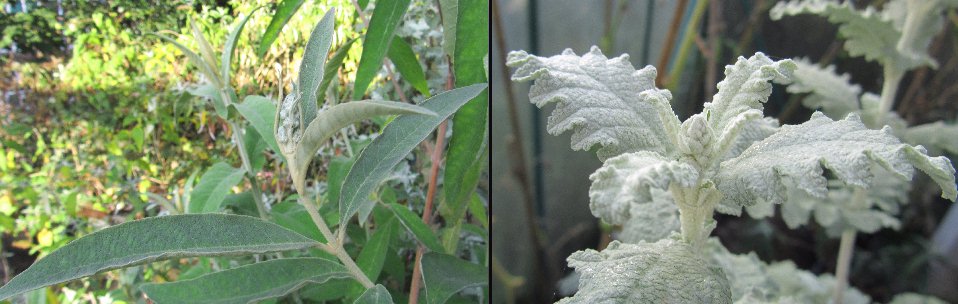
column 754, row 281
column 797, row 153
column 667, row 271
column 621, row 189
column 916, row 298
column 870, row 33
column 754, row 130
column 831, row 93
column 651, row 221
column 839, row 211
column 746, row 87
column 938, row 137
column 605, row 102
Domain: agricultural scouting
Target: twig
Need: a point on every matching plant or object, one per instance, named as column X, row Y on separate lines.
column 666, row 53
column 844, row 261
column 436, row 159
column 753, row 25
column 716, row 25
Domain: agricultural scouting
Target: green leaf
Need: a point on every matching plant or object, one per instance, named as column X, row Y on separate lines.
column 445, row 275
column 373, row 254
column 209, row 91
column 293, row 216
column 450, row 12
column 255, row 146
column 248, row 283
column 332, row 66
column 470, row 128
column 478, row 210
column 402, row 55
column 330, row 121
column 396, row 141
column 205, row 49
column 382, row 26
column 371, row 258
column 152, row 239
column 415, row 226
column 213, row 187
column 375, row 295
column 335, row 175
column 230, row 46
column 259, row 110
column 312, row 68
column 284, row 11
column 205, row 68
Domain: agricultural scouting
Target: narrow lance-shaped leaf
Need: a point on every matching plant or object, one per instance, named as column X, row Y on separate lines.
column 258, row 110
column 205, row 48
column 415, row 226
column 332, row 66
column 450, row 12
column 300, row 145
column 375, row 295
column 470, row 127
column 206, row 69
column 152, row 239
column 373, row 255
column 667, row 271
column 846, row 147
column 396, row 141
column 248, row 283
column 603, row 101
column 444, row 275
column 284, row 11
column 312, row 67
column 402, row 55
column 209, row 91
column 382, row 26
column 213, row 187
column 230, row 46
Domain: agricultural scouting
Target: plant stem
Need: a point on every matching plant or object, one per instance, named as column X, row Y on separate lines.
column 844, row 261
column 691, row 30
column 257, row 196
column 332, row 245
column 666, row 53
column 889, row 89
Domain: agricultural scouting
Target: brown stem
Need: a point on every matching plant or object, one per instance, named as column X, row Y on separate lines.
column 666, row 53
column 518, row 157
column 714, row 43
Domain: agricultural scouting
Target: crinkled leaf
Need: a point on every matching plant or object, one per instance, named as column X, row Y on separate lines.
column 603, row 101
column 651, row 221
column 938, row 136
column 754, row 130
column 284, row 11
column 375, row 295
column 444, row 275
column 746, row 86
column 312, row 68
column 667, row 271
column 846, row 147
column 382, row 27
column 152, row 239
column 259, row 110
column 248, row 283
column 213, row 187
column 869, row 33
column 624, row 184
column 831, row 93
column 396, row 141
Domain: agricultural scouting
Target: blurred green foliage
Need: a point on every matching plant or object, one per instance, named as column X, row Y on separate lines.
column 97, row 125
